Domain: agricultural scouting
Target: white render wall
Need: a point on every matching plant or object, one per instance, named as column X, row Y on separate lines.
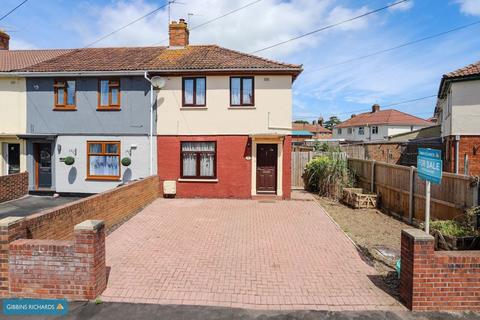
column 73, row 178
column 383, row 132
column 272, row 112
column 464, row 116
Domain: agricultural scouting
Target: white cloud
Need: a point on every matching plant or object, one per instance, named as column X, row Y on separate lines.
column 262, row 24
column 19, row 44
column 469, row 7
column 405, row 6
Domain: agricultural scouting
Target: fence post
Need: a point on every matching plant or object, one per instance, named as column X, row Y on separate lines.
column 411, row 195
column 372, row 177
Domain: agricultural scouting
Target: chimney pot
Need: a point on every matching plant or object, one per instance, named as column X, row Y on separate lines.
column 375, row 108
column 4, row 40
column 178, row 33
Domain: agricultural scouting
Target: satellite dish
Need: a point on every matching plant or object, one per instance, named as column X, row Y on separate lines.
column 158, row 82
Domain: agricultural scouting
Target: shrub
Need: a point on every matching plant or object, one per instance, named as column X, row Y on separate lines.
column 327, row 175
column 449, row 228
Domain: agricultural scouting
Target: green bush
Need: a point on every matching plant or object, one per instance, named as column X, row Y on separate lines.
column 449, row 228
column 327, row 175
column 126, row 161
column 69, row 160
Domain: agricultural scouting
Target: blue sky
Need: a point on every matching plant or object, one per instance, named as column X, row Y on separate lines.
column 399, row 75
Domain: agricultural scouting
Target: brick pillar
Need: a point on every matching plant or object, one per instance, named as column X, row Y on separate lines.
column 90, row 249
column 417, row 255
column 11, row 229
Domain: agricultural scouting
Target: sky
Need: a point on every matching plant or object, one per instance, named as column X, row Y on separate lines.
column 328, row 86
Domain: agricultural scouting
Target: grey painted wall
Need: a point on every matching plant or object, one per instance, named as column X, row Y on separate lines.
column 133, row 118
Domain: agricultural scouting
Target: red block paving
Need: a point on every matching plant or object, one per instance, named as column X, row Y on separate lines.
column 239, row 253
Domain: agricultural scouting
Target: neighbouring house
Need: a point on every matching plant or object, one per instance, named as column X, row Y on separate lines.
column 316, row 128
column 458, row 112
column 13, row 105
column 378, row 125
column 219, row 125
column 224, row 124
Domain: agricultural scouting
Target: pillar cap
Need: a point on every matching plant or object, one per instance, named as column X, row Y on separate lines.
column 417, row 234
column 89, row 225
column 8, row 221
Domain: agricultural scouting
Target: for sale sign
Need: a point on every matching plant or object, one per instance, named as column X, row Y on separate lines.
column 429, row 165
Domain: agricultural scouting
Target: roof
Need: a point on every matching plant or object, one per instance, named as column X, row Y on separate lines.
column 315, row 128
column 424, row 133
column 391, row 117
column 301, row 133
column 11, row 60
column 192, row 57
column 470, row 71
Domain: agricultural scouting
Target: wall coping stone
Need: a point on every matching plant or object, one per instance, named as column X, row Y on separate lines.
column 8, row 221
column 417, row 234
column 89, row 225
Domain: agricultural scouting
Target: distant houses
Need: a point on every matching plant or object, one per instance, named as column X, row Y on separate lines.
column 306, row 131
column 378, row 125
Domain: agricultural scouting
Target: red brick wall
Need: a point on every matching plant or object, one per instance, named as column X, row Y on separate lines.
column 438, row 281
column 59, row 269
column 13, row 186
column 112, row 206
column 233, row 170
column 468, row 145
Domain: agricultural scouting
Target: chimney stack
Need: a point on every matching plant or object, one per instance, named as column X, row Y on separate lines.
column 353, row 115
column 178, row 33
column 375, row 108
column 4, row 40
column 320, row 121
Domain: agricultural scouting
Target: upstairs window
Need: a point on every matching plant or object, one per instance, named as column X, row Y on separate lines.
column 339, row 131
column 194, row 92
column 242, row 91
column 103, row 160
column 109, row 94
column 361, row 131
column 65, row 95
column 375, row 130
column 349, row 130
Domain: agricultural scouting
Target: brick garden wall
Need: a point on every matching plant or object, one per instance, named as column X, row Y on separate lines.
column 112, row 206
column 13, row 186
column 438, row 281
column 60, row 269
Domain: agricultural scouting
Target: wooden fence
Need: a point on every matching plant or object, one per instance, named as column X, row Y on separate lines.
column 402, row 192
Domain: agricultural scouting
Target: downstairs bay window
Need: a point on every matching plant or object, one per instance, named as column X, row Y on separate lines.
column 103, row 160
column 198, row 160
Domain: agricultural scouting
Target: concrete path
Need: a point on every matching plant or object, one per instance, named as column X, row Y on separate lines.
column 283, row 255
column 31, row 204
column 118, row 311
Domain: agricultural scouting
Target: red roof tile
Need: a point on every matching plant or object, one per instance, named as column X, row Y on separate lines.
column 193, row 57
column 391, row 116
column 470, row 70
column 17, row 59
column 315, row 128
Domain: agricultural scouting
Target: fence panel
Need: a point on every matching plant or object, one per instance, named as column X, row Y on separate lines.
column 299, row 160
column 392, row 183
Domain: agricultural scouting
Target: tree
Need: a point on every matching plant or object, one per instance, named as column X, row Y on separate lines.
column 332, row 122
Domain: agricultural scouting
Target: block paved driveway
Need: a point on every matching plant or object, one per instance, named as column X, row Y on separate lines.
column 283, row 255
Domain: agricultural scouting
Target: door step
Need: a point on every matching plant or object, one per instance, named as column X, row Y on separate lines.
column 267, row 197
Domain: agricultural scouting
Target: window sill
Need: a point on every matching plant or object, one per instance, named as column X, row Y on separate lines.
column 242, row 108
column 109, row 109
column 64, row 109
column 103, row 179
column 193, row 108
column 197, row 180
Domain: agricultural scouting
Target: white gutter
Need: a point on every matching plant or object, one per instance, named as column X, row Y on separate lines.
column 151, row 121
